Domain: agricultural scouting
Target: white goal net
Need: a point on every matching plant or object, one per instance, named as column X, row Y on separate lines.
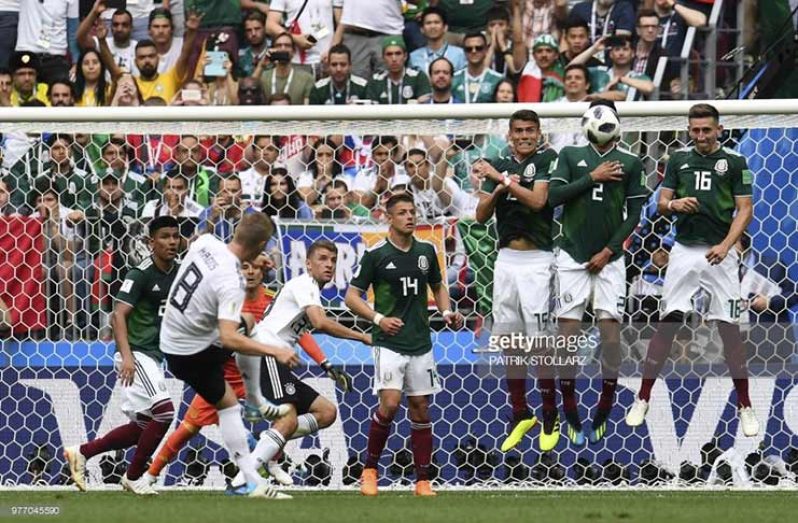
column 324, row 173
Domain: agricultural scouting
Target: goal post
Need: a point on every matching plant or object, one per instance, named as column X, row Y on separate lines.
column 58, row 276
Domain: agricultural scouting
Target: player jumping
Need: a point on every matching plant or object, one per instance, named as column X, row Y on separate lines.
column 602, row 187
column 516, row 189
column 201, row 325
column 295, row 309
column 400, row 268
column 708, row 189
column 136, row 321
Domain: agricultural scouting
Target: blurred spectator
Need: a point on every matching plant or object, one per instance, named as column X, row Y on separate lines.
column 91, row 86
column 441, row 72
column 219, row 27
column 412, row 33
column 371, row 183
column 122, row 46
column 397, row 84
column 264, row 152
column 250, row 92
column 434, row 27
column 61, row 93
column 337, row 204
column 126, row 92
column 311, row 23
column 341, row 87
column 504, row 92
column 605, row 17
column 674, row 18
column 457, row 202
column 293, row 146
column 542, row 79
column 502, row 42
column 257, row 44
column 25, row 66
column 475, row 83
column 9, row 19
column 364, row 25
column 281, row 199
column 428, row 204
column 6, row 207
column 174, row 202
column 465, row 18
column 6, row 86
column 577, row 85
column 647, row 51
column 222, row 217
column 192, row 93
column 74, row 187
column 283, row 77
column 137, row 188
column 614, row 82
column 577, row 39
column 323, row 167
column 202, row 180
column 48, row 29
column 222, row 90
column 541, row 17
column 170, row 47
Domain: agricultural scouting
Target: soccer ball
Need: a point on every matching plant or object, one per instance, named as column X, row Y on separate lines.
column 601, row 125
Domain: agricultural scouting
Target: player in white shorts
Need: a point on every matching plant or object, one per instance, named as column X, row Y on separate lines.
column 295, row 309
column 201, row 324
column 515, row 189
column 602, row 189
column 709, row 189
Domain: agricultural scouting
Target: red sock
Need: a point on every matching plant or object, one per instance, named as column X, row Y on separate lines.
column 607, row 398
column 378, row 434
column 547, row 394
column 151, row 436
column 421, row 441
column 734, row 351
column 517, row 389
column 176, row 441
column 658, row 350
column 568, row 391
column 121, row 437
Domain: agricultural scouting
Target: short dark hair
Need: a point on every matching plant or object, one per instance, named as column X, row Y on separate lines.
column 6, row 71
column 341, row 49
column 161, row 222
column 434, row 10
column 119, row 142
column 525, row 115
column 580, row 67
column 144, row 43
column 498, row 13
column 574, row 22
column 476, row 34
column 160, row 12
column 231, row 176
column 443, row 58
column 323, row 244
column 255, row 16
column 280, row 35
column 417, row 152
column 645, row 13
column 60, row 81
column 703, row 111
column 123, row 12
column 399, row 198
column 386, row 141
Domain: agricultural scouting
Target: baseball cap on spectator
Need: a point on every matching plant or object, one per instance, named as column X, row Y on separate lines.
column 546, row 41
column 24, row 60
column 396, row 40
column 160, row 12
column 279, row 168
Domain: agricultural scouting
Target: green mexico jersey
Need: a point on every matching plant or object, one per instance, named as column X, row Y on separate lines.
column 400, row 279
column 325, row 93
column 475, row 90
column 382, row 90
column 715, row 180
column 145, row 289
column 591, row 219
column 513, row 218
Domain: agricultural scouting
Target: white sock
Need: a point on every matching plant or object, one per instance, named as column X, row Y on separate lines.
column 305, row 424
column 271, row 442
column 250, row 372
column 235, row 439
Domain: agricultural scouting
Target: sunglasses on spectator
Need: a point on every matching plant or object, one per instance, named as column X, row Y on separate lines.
column 475, row 48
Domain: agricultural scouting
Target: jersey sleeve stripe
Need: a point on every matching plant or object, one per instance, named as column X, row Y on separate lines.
column 637, row 196
column 123, row 301
column 558, row 179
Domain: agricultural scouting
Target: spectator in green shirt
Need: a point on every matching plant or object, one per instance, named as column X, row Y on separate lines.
column 398, row 84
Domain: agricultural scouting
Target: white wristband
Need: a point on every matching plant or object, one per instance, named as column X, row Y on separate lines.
column 670, row 205
column 377, row 318
column 506, row 180
column 446, row 313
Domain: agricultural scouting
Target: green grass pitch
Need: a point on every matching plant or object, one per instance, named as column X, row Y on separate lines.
column 462, row 507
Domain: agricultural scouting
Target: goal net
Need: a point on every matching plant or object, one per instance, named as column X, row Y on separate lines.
column 78, row 187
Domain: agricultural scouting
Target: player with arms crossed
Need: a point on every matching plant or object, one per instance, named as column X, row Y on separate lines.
column 201, row 325
column 295, row 309
column 400, row 268
column 602, row 189
column 136, row 321
column 708, row 189
column 200, row 413
column 516, row 190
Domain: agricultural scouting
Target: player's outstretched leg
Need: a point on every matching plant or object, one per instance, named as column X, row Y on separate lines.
column 658, row 350
column 379, row 430
column 176, row 441
column 523, row 419
column 135, row 480
column 734, row 351
column 257, row 407
column 421, row 442
column 610, row 365
column 119, row 438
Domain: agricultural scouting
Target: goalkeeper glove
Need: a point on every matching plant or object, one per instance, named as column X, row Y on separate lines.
column 341, row 378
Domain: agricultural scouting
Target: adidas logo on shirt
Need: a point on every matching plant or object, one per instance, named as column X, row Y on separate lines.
column 390, row 266
column 156, row 288
column 582, row 163
column 685, row 166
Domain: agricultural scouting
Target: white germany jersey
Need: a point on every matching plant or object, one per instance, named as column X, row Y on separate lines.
column 208, row 287
column 287, row 320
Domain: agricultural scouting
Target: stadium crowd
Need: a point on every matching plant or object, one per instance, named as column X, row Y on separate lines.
column 93, row 192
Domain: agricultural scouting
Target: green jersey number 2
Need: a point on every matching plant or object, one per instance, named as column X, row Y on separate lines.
column 409, row 284
column 703, row 180
column 598, row 192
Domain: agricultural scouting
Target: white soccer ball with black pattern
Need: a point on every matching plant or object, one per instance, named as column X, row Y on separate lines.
column 601, row 125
